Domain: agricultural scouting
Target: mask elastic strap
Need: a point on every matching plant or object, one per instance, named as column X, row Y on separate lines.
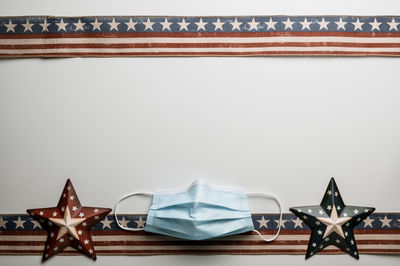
column 268, row 196
column 116, row 209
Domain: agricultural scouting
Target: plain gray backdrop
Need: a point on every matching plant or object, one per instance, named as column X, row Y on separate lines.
column 275, row 125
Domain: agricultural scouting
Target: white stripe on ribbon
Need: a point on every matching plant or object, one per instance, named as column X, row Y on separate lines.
column 205, row 247
column 198, row 50
column 200, row 40
column 166, row 238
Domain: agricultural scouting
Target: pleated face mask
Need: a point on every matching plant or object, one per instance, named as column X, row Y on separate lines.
column 202, row 211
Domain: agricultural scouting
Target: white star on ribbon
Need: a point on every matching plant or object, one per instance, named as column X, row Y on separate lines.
column 323, row 24
column 183, row 25
column 270, row 24
column 298, row 223
column 79, row 25
column 200, row 25
column 113, row 25
column 253, row 25
column 27, row 26
column 305, row 24
column 131, row 25
column 393, row 25
column 106, row 223
column 263, row 222
column 61, row 25
column 3, row 223
column 358, row 25
column 375, row 25
column 148, row 24
column 368, row 222
column 288, row 24
column 19, row 223
column 283, row 223
column 44, row 25
column 166, row 25
column 96, row 25
column 67, row 224
column 235, row 25
column 10, row 26
column 340, row 24
column 124, row 222
column 385, row 221
column 140, row 223
column 218, row 25
column 36, row 224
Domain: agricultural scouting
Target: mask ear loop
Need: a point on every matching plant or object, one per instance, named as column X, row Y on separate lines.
column 116, row 210
column 268, row 196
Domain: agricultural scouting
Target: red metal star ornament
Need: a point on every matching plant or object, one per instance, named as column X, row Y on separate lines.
column 68, row 224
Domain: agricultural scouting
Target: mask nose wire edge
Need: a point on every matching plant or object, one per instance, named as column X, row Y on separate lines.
column 123, row 198
column 268, row 196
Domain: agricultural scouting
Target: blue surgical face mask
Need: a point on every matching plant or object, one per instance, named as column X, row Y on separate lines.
column 201, row 211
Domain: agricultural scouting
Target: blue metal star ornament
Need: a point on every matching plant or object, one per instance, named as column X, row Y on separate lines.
column 332, row 222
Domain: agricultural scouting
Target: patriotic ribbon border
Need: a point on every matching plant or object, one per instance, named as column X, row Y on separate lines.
column 133, row 36
column 378, row 234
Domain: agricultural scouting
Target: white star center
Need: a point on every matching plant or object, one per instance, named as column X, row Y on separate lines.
column 67, row 224
column 333, row 223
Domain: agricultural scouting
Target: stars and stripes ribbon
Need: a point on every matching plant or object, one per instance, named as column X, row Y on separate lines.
column 119, row 36
column 378, row 234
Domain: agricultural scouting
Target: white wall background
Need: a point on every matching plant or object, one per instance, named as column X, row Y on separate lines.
column 281, row 125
